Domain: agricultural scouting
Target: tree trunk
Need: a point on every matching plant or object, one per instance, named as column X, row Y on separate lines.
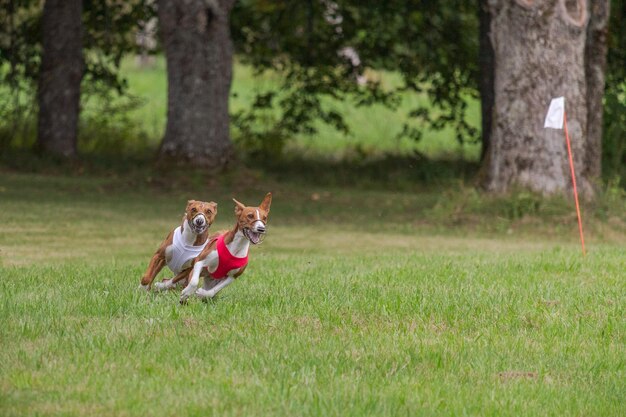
column 198, row 49
column 595, row 61
column 60, row 77
column 539, row 50
column 486, row 74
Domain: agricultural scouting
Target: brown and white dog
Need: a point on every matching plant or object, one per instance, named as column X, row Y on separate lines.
column 226, row 255
column 183, row 244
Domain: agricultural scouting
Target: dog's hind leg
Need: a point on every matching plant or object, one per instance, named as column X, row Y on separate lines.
column 157, row 263
column 178, row 280
column 202, row 293
column 209, row 283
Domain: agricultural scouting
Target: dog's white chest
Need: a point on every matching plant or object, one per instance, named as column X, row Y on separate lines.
column 179, row 254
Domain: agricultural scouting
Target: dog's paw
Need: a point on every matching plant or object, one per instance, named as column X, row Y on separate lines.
column 186, row 293
column 184, row 296
column 162, row 286
column 204, row 294
column 145, row 288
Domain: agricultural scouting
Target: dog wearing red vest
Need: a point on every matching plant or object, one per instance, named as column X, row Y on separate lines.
column 225, row 257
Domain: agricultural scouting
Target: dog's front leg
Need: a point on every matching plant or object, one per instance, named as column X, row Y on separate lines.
column 202, row 293
column 193, row 281
column 156, row 264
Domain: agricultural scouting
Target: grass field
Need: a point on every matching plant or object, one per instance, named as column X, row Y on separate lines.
column 360, row 302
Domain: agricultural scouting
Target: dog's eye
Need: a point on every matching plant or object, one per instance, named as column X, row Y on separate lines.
column 193, row 210
column 250, row 216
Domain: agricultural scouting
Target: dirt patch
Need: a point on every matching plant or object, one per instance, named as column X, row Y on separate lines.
column 516, row 375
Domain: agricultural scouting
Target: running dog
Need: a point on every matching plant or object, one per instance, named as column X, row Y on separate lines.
column 184, row 243
column 226, row 255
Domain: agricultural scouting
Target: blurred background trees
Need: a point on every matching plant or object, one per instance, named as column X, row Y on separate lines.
column 320, row 53
column 107, row 34
column 614, row 123
column 546, row 49
column 60, row 76
column 199, row 55
column 334, row 49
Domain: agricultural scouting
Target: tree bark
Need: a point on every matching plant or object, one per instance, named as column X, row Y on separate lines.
column 595, row 67
column 60, row 77
column 486, row 74
column 539, row 50
column 198, row 50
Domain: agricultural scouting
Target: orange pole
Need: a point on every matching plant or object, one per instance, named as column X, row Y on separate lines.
column 571, row 165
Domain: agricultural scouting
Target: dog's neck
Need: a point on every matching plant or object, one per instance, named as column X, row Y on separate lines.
column 189, row 237
column 237, row 244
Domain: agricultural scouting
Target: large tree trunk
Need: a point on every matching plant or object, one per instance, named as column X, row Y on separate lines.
column 198, row 49
column 539, row 50
column 486, row 74
column 60, row 77
column 595, row 61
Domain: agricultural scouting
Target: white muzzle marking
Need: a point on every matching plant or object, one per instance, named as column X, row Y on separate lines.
column 199, row 223
column 258, row 226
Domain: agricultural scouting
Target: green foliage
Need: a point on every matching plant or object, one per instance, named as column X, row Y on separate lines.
column 374, row 129
column 315, row 52
column 106, row 122
column 614, row 138
column 18, row 110
column 322, row 48
column 19, row 41
column 108, row 35
column 109, row 30
column 20, row 51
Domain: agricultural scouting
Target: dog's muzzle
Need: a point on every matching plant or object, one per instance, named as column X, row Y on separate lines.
column 199, row 223
column 255, row 236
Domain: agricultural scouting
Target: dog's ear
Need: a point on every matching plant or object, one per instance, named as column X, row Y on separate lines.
column 238, row 207
column 266, row 203
column 213, row 206
column 190, row 202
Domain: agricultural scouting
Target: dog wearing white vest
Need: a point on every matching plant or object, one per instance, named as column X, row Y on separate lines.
column 183, row 244
column 225, row 257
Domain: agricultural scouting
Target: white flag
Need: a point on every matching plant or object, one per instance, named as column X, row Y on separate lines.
column 554, row 118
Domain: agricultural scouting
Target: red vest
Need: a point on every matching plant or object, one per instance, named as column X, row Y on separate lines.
column 226, row 261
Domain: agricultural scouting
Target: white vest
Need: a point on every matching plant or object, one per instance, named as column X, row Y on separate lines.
column 181, row 252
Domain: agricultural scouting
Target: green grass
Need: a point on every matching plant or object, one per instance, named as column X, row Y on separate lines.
column 373, row 129
column 360, row 302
